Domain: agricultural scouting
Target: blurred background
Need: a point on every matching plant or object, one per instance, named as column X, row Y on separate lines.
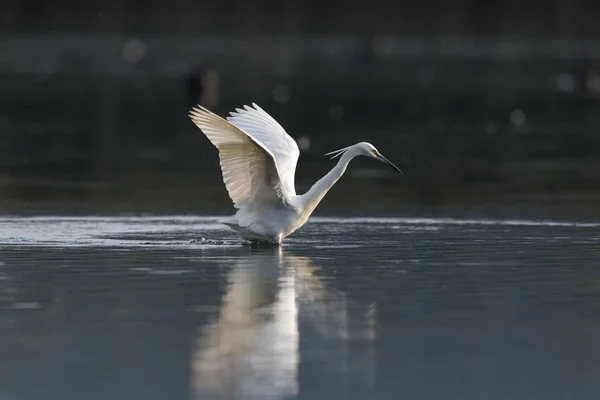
column 488, row 107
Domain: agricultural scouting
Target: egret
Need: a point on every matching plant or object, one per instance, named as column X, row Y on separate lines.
column 258, row 162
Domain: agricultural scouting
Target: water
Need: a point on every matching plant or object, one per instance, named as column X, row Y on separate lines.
column 178, row 308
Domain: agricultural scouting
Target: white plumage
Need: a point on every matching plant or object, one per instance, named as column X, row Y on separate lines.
column 258, row 162
column 266, row 131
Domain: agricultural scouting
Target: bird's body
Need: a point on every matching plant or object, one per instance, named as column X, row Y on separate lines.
column 258, row 161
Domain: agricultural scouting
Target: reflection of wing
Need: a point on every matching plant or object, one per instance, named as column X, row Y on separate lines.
column 252, row 350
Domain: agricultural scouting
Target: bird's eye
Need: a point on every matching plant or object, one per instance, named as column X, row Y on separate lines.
column 374, row 152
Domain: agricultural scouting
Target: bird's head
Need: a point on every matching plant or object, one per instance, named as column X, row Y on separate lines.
column 364, row 149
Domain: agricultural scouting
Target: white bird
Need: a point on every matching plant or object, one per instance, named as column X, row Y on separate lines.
column 258, row 161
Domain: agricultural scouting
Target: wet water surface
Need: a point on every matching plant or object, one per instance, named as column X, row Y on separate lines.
column 178, row 308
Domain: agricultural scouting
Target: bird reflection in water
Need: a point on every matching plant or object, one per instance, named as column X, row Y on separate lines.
column 252, row 349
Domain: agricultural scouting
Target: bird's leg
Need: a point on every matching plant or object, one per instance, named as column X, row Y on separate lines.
column 259, row 244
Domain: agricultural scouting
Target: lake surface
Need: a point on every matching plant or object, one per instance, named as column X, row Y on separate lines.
column 176, row 307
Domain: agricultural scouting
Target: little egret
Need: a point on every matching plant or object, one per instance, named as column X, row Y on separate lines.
column 258, row 161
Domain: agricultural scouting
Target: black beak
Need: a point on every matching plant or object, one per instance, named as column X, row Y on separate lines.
column 388, row 162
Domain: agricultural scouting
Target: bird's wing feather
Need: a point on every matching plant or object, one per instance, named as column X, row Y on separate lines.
column 249, row 168
column 258, row 124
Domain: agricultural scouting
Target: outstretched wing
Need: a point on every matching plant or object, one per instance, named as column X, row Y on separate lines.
column 264, row 129
column 249, row 168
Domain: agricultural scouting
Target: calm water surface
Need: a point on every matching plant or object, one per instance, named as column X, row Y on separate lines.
column 178, row 308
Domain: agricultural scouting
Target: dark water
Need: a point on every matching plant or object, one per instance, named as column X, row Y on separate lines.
column 177, row 308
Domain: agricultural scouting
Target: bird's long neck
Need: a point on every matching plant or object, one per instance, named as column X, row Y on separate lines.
column 313, row 197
